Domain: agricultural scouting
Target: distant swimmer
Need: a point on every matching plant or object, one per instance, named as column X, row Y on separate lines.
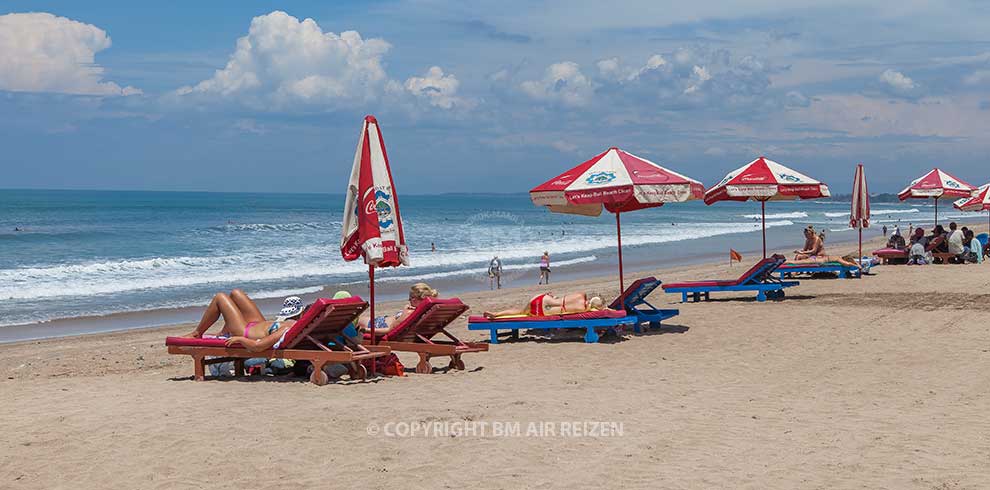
column 17, row 229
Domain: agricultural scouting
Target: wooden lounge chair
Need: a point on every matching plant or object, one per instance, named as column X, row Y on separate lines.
column 416, row 331
column 892, row 256
column 758, row 278
column 633, row 302
column 309, row 339
column 844, row 271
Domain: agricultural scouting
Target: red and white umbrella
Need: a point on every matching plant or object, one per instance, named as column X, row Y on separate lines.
column 617, row 181
column 979, row 202
column 936, row 184
column 372, row 226
column 859, row 213
column 765, row 180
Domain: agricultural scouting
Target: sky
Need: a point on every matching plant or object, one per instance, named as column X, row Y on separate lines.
column 493, row 96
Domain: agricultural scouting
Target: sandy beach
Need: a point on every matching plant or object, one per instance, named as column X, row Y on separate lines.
column 873, row 383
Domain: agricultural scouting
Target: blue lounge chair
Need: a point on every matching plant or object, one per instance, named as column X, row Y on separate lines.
column 844, row 271
column 759, row 278
column 630, row 308
column 633, row 302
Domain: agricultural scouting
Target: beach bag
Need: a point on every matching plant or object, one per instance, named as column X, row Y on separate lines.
column 388, row 365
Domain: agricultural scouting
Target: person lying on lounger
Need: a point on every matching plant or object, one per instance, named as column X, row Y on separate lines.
column 548, row 304
column 243, row 322
column 383, row 324
column 821, row 259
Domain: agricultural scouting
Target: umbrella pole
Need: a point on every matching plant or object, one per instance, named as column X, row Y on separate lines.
column 936, row 210
column 763, row 211
column 374, row 339
column 618, row 234
column 860, row 258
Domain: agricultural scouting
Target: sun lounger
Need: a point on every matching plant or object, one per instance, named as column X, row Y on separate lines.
column 416, row 331
column 316, row 337
column 633, row 302
column 892, row 255
column 630, row 308
column 758, row 278
column 844, row 271
column 590, row 321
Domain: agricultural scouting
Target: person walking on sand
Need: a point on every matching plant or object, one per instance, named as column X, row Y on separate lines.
column 884, row 230
column 545, row 268
column 495, row 273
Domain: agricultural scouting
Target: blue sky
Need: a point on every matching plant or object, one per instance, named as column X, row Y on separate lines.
column 494, row 96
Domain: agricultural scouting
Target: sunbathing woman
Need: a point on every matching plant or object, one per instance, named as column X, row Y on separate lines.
column 814, row 245
column 243, row 322
column 383, row 324
column 548, row 304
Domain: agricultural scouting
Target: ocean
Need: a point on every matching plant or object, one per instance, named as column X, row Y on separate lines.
column 103, row 256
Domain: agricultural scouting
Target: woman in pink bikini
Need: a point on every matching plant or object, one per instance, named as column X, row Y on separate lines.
column 243, row 322
column 548, row 304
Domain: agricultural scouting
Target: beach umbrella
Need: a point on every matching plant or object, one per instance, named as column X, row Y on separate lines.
column 765, row 180
column 617, row 181
column 936, row 184
column 859, row 213
column 979, row 202
column 372, row 227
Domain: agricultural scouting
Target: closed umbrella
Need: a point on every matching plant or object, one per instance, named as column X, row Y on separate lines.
column 936, row 184
column 617, row 181
column 859, row 213
column 372, row 226
column 765, row 180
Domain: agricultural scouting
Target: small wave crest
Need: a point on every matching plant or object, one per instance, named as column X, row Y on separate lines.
column 269, row 227
column 793, row 215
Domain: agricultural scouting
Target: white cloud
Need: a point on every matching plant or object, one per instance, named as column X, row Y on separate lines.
column 562, row 83
column 686, row 77
column 283, row 60
column 40, row 52
column 897, row 80
column 612, row 69
column 699, row 75
column 436, row 87
column 978, row 77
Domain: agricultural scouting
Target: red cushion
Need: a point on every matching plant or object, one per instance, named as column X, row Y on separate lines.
column 202, row 342
column 311, row 313
column 444, row 317
column 890, row 252
column 586, row 315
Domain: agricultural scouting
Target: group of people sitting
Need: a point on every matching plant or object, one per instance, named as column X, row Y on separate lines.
column 959, row 244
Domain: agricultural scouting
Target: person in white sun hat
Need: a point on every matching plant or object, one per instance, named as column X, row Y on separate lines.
column 243, row 322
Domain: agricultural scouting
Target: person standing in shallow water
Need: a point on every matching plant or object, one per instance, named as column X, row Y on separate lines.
column 545, row 268
column 495, row 273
